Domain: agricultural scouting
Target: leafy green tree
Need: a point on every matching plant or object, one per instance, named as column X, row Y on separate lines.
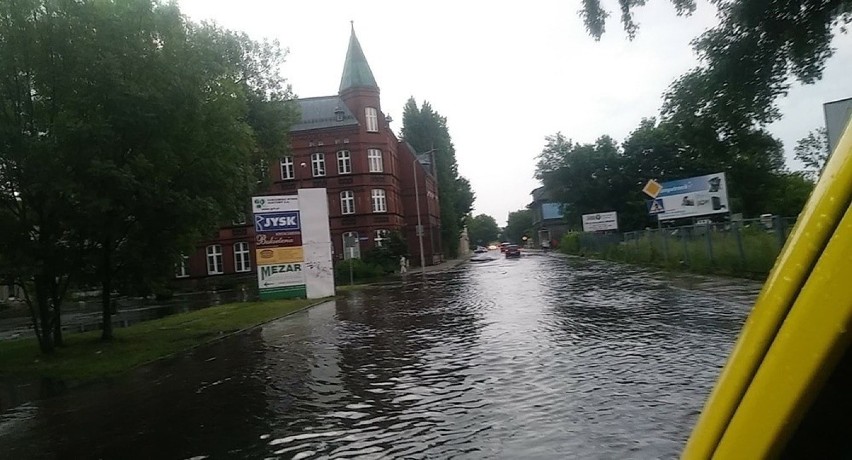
column 482, row 229
column 813, row 151
column 137, row 133
column 518, row 225
column 426, row 130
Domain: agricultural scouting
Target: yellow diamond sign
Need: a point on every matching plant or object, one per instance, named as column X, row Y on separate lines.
column 652, row 188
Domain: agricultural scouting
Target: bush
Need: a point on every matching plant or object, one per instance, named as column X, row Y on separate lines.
column 361, row 271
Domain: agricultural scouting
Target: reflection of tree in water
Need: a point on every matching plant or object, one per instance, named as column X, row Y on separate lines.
column 404, row 336
column 208, row 402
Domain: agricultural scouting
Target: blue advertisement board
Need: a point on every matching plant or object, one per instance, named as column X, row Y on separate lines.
column 551, row 211
column 691, row 197
column 286, row 221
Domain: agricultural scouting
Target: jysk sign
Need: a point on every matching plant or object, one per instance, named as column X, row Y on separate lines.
column 600, row 221
column 277, row 222
column 692, row 197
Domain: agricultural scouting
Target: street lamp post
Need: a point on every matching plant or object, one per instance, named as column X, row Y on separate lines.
column 419, row 223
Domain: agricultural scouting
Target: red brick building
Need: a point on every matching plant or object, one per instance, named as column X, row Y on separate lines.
column 343, row 143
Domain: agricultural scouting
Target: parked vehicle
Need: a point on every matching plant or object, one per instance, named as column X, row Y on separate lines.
column 513, row 250
column 504, row 245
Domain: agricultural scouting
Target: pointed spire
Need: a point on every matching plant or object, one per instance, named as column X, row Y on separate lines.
column 356, row 71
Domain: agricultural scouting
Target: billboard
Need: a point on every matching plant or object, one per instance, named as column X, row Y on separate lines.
column 551, row 211
column 837, row 115
column 293, row 245
column 691, row 197
column 601, row 221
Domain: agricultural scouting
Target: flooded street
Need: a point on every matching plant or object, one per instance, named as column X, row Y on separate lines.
column 540, row 357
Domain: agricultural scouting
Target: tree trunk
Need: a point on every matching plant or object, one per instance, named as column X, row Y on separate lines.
column 106, row 291
column 57, row 325
column 45, row 335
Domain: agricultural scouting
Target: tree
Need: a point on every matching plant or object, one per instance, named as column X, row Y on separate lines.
column 482, row 229
column 518, row 225
column 813, row 151
column 119, row 167
column 426, row 130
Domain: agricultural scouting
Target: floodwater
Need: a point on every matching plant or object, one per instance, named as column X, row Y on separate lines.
column 538, row 357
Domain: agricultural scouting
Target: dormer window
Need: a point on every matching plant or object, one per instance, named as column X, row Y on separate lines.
column 372, row 119
column 338, row 114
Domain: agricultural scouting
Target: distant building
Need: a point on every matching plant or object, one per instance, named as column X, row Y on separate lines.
column 343, row 143
column 547, row 216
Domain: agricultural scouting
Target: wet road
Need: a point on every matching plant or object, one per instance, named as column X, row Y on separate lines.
column 540, row 357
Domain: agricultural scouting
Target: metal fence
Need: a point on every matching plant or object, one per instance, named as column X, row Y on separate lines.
column 749, row 245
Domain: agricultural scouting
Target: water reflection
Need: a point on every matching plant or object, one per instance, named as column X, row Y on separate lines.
column 532, row 358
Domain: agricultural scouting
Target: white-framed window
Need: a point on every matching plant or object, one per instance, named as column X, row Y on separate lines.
column 288, row 169
column 382, row 237
column 182, row 267
column 214, row 260
column 344, row 162
column 374, row 156
column 347, row 202
column 372, row 119
column 318, row 164
column 242, row 259
column 380, row 202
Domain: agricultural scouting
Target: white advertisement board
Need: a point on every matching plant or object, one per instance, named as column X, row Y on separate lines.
column 692, row 197
column 293, row 246
column 600, row 221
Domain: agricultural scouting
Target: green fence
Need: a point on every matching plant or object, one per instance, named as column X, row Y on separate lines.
column 746, row 248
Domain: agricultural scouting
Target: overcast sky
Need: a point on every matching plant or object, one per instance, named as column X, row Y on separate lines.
column 505, row 74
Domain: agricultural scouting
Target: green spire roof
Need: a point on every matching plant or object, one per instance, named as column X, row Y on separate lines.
column 356, row 71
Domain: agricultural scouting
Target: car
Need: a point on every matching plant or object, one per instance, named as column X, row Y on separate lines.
column 504, row 245
column 513, row 250
column 480, row 250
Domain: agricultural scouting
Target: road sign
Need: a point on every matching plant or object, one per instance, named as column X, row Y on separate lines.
column 652, row 188
column 656, row 206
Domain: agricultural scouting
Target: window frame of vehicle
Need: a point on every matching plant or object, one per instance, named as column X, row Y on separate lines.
column 242, row 257
column 378, row 198
column 347, row 202
column 372, row 117
column 215, row 265
column 288, row 168
column 375, row 160
column 344, row 162
column 318, row 164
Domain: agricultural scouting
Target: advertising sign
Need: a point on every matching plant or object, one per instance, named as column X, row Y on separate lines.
column 692, row 197
column 293, row 245
column 275, row 203
column 278, row 239
column 600, row 221
column 551, row 211
column 837, row 116
column 287, row 221
column 279, row 255
column 278, row 275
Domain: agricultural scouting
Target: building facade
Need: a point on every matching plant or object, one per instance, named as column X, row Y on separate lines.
column 548, row 219
column 375, row 181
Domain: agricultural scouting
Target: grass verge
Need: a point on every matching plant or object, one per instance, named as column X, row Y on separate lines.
column 84, row 357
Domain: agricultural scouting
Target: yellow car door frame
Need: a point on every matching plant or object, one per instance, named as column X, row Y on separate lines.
column 795, row 334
